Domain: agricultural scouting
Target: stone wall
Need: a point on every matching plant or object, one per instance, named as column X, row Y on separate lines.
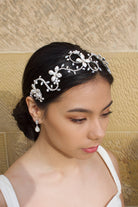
column 106, row 27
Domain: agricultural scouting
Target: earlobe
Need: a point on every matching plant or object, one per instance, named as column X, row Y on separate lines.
column 33, row 108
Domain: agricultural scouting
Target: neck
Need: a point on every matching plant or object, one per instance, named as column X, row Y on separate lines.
column 52, row 159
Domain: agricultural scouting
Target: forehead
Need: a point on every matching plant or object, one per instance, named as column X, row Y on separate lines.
column 96, row 92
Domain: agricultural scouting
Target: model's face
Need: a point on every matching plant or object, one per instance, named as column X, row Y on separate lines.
column 78, row 121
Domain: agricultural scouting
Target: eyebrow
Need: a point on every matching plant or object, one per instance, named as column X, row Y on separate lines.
column 87, row 110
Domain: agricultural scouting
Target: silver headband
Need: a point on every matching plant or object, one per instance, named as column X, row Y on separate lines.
column 78, row 61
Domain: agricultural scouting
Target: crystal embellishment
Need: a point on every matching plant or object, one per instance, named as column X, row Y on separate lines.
column 78, row 61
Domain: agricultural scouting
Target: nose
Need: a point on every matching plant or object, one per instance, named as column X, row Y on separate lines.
column 96, row 130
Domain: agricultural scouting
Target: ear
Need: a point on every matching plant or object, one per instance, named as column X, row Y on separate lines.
column 33, row 109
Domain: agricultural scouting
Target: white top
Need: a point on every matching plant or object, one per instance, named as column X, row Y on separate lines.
column 12, row 201
column 116, row 201
column 8, row 192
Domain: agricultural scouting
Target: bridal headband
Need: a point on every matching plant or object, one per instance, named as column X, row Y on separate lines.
column 78, row 61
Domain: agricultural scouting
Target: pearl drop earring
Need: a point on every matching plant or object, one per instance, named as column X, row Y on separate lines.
column 37, row 128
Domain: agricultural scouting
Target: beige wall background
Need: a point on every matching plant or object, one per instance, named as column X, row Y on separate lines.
column 101, row 26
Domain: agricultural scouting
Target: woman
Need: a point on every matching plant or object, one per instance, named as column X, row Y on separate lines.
column 65, row 109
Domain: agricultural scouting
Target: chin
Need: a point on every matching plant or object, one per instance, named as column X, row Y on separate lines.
column 80, row 156
column 84, row 156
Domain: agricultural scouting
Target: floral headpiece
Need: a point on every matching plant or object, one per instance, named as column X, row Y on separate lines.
column 78, row 60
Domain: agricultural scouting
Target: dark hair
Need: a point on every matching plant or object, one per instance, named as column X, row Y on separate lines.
column 43, row 60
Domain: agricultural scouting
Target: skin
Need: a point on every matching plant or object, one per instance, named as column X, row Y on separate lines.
column 56, row 169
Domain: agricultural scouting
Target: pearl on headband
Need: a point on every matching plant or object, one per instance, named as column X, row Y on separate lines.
column 78, row 61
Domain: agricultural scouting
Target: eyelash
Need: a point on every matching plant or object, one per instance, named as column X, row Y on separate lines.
column 106, row 114
column 79, row 121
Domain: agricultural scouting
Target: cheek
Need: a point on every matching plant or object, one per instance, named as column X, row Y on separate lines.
column 60, row 132
column 105, row 122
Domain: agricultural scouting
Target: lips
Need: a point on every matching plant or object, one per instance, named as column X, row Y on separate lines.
column 90, row 149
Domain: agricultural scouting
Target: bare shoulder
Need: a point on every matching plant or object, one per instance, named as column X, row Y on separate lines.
column 2, row 200
column 114, row 161
column 16, row 168
column 12, row 170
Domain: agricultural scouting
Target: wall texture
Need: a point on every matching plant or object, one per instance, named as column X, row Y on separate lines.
column 108, row 27
column 94, row 24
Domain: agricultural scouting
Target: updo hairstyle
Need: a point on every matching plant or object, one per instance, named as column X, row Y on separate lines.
column 43, row 60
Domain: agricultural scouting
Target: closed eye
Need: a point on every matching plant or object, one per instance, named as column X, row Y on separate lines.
column 79, row 121
column 106, row 114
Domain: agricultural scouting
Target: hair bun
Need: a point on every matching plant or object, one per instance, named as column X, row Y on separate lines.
column 24, row 120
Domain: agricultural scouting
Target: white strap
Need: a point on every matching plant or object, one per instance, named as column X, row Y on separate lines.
column 8, row 192
column 115, row 202
column 110, row 166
